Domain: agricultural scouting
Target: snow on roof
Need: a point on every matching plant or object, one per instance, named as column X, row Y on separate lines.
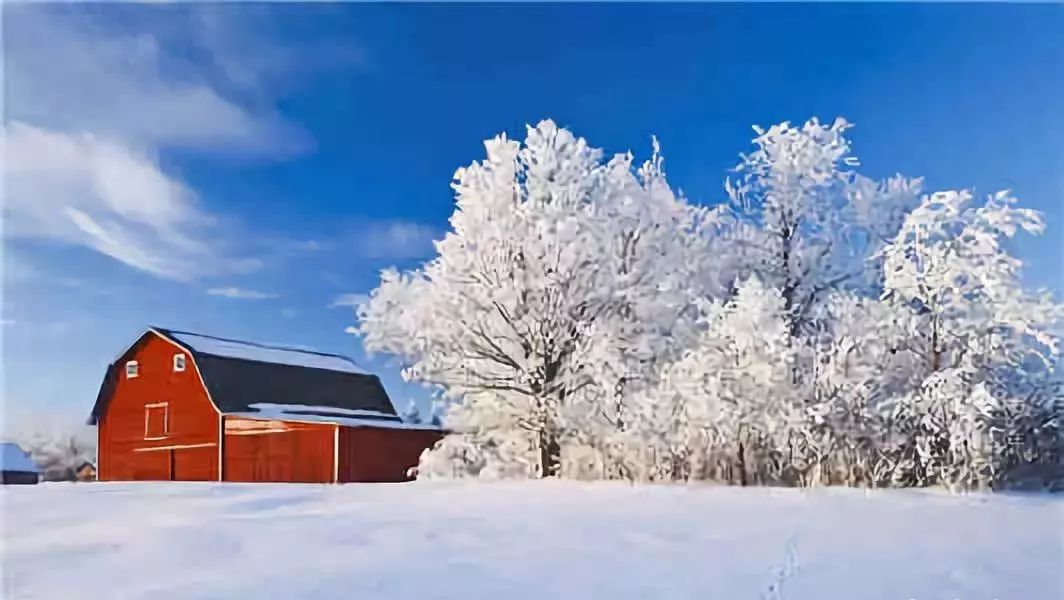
column 347, row 418
column 332, row 411
column 13, row 458
column 206, row 344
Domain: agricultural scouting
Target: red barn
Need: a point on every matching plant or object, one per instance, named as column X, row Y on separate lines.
column 180, row 406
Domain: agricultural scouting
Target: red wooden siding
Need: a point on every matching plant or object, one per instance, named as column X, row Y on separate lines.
column 371, row 454
column 182, row 423
column 195, row 464
column 265, row 450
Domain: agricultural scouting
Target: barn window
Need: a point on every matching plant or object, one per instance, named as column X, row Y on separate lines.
column 179, row 362
column 156, row 421
column 132, row 369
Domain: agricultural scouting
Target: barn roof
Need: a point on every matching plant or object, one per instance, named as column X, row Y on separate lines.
column 238, row 374
column 15, row 459
column 254, row 351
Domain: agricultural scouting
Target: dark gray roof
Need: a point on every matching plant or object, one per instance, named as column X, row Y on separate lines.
column 266, row 353
column 241, row 374
column 235, row 384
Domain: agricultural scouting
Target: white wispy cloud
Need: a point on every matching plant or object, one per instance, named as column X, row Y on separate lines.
column 83, row 190
column 89, row 111
column 240, row 293
column 349, row 300
column 351, row 329
column 271, row 65
column 397, row 240
column 128, row 79
column 307, row 246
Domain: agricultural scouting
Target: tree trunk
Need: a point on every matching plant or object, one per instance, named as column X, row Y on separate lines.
column 742, row 465
column 935, row 355
column 550, row 455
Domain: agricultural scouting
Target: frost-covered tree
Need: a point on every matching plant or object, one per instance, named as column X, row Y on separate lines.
column 562, row 277
column 856, row 363
column 950, row 265
column 581, row 319
column 977, row 333
column 807, row 221
column 730, row 402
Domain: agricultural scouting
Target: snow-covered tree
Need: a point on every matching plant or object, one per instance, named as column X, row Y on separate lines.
column 949, row 264
column 855, row 363
column 977, row 332
column 808, row 221
column 730, row 401
column 553, row 250
column 581, row 319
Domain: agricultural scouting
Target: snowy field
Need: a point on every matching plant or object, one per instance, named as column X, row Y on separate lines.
column 525, row 540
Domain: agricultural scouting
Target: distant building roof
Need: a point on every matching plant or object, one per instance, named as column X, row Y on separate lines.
column 239, row 374
column 15, row 459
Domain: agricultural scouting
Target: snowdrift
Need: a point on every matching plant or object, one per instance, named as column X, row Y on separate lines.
column 529, row 540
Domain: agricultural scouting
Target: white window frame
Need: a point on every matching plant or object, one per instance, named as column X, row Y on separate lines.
column 179, row 362
column 132, row 369
column 166, row 420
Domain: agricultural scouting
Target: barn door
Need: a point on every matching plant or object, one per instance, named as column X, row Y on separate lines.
column 152, row 465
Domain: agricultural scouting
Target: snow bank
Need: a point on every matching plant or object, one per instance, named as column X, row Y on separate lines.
column 525, row 540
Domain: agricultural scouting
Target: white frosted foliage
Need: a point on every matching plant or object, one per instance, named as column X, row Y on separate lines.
column 582, row 319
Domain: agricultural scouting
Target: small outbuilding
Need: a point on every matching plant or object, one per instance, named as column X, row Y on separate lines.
column 16, row 466
column 182, row 406
column 86, row 471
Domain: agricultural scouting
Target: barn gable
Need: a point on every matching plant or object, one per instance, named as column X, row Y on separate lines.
column 239, row 374
column 111, row 378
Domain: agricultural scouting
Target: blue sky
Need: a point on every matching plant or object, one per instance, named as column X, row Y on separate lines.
column 238, row 169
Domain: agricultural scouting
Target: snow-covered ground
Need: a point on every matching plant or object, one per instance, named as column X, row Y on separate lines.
column 525, row 540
